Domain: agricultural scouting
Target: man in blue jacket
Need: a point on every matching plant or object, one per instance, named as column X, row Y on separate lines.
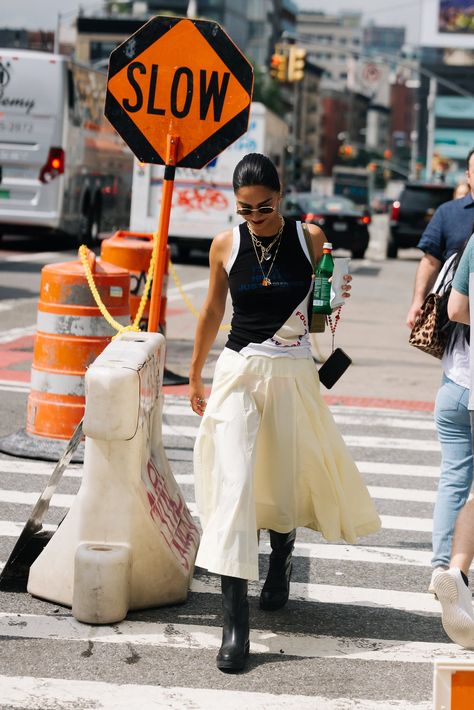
column 450, row 226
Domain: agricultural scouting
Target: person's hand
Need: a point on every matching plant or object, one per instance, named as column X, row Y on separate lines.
column 196, row 397
column 413, row 313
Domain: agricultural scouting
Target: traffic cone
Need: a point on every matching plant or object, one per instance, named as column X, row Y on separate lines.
column 132, row 251
column 71, row 333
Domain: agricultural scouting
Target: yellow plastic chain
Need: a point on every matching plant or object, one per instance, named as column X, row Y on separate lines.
column 100, row 304
column 185, row 296
column 149, row 278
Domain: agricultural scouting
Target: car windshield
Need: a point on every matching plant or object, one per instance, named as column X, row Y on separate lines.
column 423, row 198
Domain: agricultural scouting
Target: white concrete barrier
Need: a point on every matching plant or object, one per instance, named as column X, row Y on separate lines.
column 128, row 541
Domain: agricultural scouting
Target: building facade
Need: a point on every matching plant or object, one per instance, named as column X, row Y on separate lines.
column 330, row 40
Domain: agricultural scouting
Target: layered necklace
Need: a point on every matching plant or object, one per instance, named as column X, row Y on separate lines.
column 263, row 253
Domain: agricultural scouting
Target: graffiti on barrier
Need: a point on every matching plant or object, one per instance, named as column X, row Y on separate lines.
column 172, row 516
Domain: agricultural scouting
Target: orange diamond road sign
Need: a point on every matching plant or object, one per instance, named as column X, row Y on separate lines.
column 179, row 77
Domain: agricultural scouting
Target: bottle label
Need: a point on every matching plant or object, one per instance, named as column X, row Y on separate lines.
column 321, row 295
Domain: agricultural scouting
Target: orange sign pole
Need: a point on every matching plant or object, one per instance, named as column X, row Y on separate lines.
column 161, row 243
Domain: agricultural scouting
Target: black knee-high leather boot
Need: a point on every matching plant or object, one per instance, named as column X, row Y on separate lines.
column 276, row 589
column 235, row 632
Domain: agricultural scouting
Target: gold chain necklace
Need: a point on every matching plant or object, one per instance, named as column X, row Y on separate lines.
column 256, row 242
column 265, row 255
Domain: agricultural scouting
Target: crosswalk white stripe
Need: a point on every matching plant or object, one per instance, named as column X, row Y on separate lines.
column 59, row 500
column 398, row 469
column 8, row 386
column 382, row 492
column 10, row 528
column 64, row 500
column 14, row 333
column 393, row 522
column 410, row 524
column 178, row 430
column 359, row 553
column 319, row 551
column 27, row 693
column 377, row 442
column 149, row 633
column 413, row 602
column 378, row 420
column 412, row 495
column 37, row 468
column 371, row 467
column 362, row 418
column 372, row 442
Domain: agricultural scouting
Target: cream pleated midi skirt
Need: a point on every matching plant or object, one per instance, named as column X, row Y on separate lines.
column 269, row 455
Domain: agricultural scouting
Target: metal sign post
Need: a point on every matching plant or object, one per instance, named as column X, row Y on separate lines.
column 161, row 241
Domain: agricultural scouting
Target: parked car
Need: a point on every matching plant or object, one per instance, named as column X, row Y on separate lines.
column 344, row 223
column 411, row 213
column 380, row 203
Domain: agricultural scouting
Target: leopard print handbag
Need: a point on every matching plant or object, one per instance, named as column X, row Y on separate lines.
column 428, row 333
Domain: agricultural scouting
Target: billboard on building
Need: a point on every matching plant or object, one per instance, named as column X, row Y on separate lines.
column 456, row 16
column 457, row 107
column 447, row 23
column 453, row 142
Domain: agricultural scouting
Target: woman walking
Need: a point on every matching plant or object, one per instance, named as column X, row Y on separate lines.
column 268, row 453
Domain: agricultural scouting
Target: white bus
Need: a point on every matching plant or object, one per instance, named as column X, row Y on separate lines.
column 63, row 168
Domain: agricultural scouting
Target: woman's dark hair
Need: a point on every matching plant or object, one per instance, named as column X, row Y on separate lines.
column 256, row 169
column 453, row 330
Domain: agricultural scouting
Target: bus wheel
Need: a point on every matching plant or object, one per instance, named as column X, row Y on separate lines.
column 90, row 225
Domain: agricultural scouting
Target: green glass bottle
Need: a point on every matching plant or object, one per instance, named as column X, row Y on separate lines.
column 322, row 288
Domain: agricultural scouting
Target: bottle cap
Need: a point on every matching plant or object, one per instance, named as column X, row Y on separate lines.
column 327, row 245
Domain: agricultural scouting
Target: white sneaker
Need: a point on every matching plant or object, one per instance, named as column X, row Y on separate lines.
column 456, row 602
column 436, row 571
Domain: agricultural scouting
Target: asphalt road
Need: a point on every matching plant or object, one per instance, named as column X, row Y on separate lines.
column 359, row 631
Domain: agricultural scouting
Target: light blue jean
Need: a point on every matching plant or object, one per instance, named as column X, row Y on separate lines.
column 454, row 432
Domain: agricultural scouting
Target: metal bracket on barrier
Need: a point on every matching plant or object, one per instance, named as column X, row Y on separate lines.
column 33, row 538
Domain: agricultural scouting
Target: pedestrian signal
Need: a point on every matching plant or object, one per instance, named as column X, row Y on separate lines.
column 279, row 65
column 296, row 63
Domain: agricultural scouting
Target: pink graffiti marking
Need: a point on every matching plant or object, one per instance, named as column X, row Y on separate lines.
column 200, row 199
column 176, row 524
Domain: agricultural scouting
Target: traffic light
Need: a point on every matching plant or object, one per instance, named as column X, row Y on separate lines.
column 346, row 150
column 279, row 66
column 296, row 63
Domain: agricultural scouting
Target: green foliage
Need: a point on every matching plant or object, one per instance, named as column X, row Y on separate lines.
column 266, row 90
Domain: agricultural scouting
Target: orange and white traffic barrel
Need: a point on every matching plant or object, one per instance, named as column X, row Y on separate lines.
column 132, row 251
column 71, row 333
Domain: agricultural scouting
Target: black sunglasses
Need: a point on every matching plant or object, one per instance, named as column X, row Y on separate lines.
column 243, row 211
